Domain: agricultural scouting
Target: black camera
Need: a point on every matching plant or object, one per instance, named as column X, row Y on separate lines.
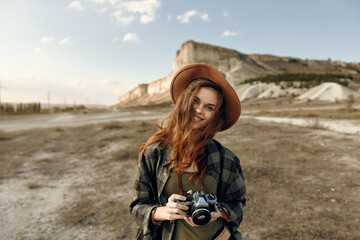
column 200, row 206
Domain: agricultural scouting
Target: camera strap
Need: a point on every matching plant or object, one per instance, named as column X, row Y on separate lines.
column 223, row 213
column 179, row 182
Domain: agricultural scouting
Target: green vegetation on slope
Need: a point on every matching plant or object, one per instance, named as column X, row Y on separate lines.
column 301, row 80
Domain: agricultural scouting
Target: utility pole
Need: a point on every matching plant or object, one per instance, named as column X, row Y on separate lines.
column 0, row 91
column 48, row 98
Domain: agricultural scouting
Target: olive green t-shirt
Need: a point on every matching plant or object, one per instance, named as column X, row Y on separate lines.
column 182, row 229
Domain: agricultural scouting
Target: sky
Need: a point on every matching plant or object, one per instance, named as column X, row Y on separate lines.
column 93, row 51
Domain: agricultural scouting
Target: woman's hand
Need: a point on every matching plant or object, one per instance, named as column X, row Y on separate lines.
column 215, row 215
column 173, row 210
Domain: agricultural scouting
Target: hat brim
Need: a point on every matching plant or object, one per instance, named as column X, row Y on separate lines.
column 185, row 75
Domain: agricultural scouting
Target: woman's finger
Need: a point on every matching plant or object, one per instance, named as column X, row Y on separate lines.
column 177, row 205
column 175, row 197
column 215, row 215
column 174, row 213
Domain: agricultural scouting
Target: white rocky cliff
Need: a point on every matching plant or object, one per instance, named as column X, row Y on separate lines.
column 237, row 67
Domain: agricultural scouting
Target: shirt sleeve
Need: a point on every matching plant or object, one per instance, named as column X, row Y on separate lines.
column 233, row 191
column 145, row 194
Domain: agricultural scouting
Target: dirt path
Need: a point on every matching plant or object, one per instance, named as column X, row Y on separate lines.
column 25, row 122
column 74, row 182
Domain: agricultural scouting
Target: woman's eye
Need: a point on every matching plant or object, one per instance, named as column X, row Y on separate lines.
column 210, row 108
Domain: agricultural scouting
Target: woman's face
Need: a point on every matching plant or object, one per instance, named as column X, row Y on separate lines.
column 205, row 104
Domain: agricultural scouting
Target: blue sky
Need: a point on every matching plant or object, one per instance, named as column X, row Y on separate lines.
column 93, row 51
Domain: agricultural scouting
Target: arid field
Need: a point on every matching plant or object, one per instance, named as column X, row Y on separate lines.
column 73, row 181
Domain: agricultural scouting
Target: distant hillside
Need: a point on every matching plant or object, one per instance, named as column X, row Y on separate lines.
column 302, row 80
column 237, row 66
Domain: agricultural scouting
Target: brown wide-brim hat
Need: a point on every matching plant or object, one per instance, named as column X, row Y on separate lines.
column 185, row 75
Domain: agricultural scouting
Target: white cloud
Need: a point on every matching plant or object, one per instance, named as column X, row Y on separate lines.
column 225, row 13
column 113, row 2
column 187, row 15
column 120, row 19
column 124, row 12
column 228, row 33
column 99, row 1
column 205, row 17
column 110, row 82
column 45, row 40
column 147, row 9
column 115, row 39
column 76, row 5
column 131, row 37
column 37, row 50
column 147, row 18
column 65, row 41
column 127, row 11
column 185, row 18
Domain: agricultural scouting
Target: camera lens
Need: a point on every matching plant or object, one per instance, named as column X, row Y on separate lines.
column 201, row 216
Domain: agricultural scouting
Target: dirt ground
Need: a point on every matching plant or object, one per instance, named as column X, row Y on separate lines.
column 74, row 182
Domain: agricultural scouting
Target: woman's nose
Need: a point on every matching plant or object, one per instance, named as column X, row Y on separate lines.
column 198, row 109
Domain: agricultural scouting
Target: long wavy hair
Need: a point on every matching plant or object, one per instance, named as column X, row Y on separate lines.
column 188, row 145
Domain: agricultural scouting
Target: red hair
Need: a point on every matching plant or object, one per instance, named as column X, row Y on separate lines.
column 188, row 145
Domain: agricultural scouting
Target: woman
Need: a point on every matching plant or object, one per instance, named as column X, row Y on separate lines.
column 183, row 157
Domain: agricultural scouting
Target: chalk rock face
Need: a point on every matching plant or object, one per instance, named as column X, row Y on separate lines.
column 159, row 86
column 146, row 94
column 130, row 98
column 237, row 67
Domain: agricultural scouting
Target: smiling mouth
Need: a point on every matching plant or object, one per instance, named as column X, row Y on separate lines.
column 197, row 119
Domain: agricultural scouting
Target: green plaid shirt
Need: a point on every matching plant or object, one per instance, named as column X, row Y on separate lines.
column 153, row 172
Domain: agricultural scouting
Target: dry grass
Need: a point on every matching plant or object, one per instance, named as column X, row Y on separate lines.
column 33, row 185
column 99, row 153
column 8, row 168
column 302, row 183
column 297, row 189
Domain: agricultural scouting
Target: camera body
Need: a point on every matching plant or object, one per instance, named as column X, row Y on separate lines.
column 200, row 206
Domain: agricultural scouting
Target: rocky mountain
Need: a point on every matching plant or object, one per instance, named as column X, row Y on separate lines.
column 236, row 65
